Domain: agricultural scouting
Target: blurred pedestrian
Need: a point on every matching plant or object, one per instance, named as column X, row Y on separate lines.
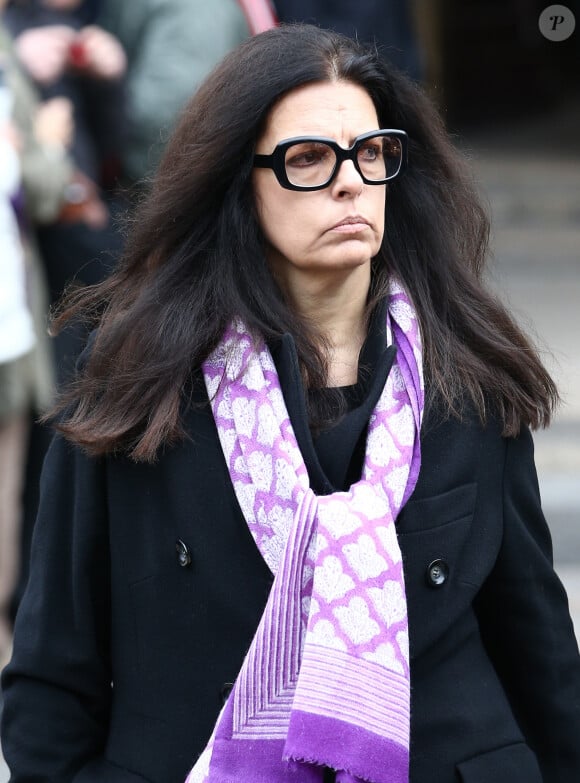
column 171, row 46
column 77, row 69
column 267, row 549
column 16, row 340
column 67, row 55
column 34, row 173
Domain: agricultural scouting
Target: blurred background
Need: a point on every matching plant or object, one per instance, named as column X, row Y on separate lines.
column 510, row 96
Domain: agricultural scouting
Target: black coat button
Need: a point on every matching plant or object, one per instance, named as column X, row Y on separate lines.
column 183, row 553
column 437, row 573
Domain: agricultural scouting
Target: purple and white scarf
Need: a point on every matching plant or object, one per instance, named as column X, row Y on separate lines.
column 325, row 682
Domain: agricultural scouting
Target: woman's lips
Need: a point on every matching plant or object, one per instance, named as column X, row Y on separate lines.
column 351, row 225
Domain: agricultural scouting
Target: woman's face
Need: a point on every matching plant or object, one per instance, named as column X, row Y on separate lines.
column 306, row 231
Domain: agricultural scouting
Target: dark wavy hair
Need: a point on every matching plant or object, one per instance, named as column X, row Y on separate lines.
column 195, row 257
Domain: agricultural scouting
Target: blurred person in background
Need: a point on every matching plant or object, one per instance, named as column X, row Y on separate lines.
column 290, row 526
column 16, row 340
column 171, row 45
column 35, row 171
column 72, row 60
column 66, row 54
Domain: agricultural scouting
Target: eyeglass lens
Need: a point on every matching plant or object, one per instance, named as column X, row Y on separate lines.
column 312, row 163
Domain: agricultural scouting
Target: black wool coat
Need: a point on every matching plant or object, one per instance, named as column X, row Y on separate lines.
column 146, row 589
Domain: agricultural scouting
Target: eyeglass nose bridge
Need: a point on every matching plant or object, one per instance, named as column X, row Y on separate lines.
column 342, row 155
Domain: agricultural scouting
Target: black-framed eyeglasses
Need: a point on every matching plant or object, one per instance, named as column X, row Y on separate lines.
column 312, row 162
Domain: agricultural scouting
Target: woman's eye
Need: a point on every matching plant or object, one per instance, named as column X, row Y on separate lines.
column 307, row 157
column 370, row 152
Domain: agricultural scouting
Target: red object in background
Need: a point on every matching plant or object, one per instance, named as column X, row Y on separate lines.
column 260, row 15
column 77, row 55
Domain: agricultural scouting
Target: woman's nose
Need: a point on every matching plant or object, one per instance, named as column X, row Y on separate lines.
column 347, row 181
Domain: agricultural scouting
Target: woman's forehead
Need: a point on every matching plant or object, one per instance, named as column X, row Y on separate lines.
column 336, row 109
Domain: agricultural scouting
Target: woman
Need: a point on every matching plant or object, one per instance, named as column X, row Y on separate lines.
column 254, row 510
